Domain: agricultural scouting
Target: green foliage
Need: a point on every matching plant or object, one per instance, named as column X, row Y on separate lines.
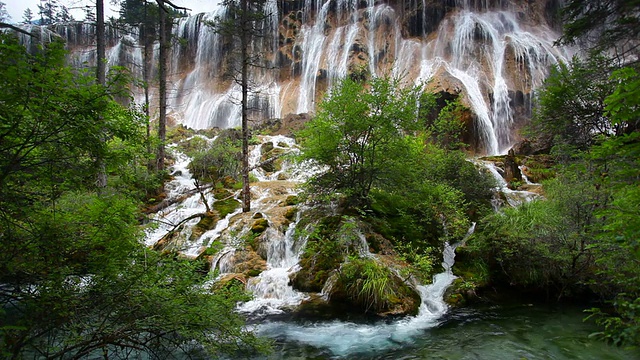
column 545, row 244
column 622, row 327
column 623, row 105
column 571, row 104
column 216, row 161
column 602, row 25
column 447, row 129
column 367, row 283
column 77, row 282
column 358, row 134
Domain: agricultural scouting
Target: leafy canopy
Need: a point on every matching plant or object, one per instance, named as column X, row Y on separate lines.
column 76, row 280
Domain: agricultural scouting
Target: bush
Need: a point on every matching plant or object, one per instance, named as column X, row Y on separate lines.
column 219, row 160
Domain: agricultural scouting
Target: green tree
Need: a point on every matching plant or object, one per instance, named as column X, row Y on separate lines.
column 27, row 16
column 48, row 10
column 4, row 14
column 243, row 23
column 359, row 136
column 603, row 25
column 76, row 281
column 571, row 104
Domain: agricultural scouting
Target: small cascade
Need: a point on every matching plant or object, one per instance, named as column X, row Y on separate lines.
column 345, row 338
column 271, row 290
column 167, row 219
column 513, row 198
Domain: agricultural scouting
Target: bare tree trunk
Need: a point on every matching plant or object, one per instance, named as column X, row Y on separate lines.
column 162, row 86
column 149, row 35
column 244, row 46
column 101, row 181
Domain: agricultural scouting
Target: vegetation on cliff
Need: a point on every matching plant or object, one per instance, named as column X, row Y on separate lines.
column 406, row 187
column 583, row 239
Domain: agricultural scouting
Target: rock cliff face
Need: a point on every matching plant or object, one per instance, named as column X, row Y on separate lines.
column 493, row 53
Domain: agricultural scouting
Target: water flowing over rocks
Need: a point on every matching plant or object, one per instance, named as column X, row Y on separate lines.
column 493, row 53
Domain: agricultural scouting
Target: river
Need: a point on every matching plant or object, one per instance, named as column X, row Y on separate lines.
column 515, row 331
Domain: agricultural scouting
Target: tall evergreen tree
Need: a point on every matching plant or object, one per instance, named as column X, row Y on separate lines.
column 243, row 24
column 27, row 16
column 48, row 10
column 4, row 14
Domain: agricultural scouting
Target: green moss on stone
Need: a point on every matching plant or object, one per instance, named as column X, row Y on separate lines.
column 259, row 226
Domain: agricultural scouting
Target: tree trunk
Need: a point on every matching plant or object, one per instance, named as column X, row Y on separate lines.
column 148, row 37
column 162, row 86
column 244, row 57
column 101, row 181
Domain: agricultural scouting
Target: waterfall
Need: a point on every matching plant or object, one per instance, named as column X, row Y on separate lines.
column 343, row 338
column 513, row 198
column 271, row 290
column 486, row 51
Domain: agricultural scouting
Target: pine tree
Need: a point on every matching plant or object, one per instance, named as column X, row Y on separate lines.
column 243, row 23
column 4, row 14
column 48, row 10
column 27, row 16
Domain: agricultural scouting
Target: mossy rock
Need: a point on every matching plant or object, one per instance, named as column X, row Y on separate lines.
column 271, row 166
column 230, row 280
column 266, row 148
column 254, row 272
column 460, row 293
column 290, row 214
column 538, row 168
column 229, row 182
column 370, row 287
column 291, row 200
column 221, row 193
column 379, row 244
column 179, row 133
column 226, row 207
column 248, row 262
column 206, row 223
column 259, row 226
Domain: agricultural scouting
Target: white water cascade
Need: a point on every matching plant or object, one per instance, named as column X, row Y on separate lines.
column 513, row 198
column 494, row 56
column 342, row 338
column 271, row 291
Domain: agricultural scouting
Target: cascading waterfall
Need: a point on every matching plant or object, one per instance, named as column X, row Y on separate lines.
column 513, row 198
column 271, row 289
column 346, row 338
column 494, row 53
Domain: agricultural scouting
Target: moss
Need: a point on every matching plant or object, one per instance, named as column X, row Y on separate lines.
column 291, row 200
column 179, row 133
column 220, row 193
column 266, row 147
column 210, row 251
column 291, row 213
column 226, row 207
column 229, row 182
column 538, row 168
column 208, row 221
column 259, row 226
column 254, row 272
column 205, row 224
column 369, row 286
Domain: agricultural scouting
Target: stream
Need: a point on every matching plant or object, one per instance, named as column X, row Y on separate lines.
column 517, row 330
column 509, row 331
